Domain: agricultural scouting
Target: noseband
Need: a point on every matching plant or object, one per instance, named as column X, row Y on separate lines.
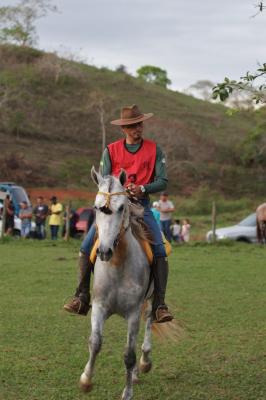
column 108, row 196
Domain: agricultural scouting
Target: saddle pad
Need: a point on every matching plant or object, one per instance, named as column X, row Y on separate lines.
column 144, row 244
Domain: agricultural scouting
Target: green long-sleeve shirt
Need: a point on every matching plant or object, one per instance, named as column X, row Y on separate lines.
column 160, row 178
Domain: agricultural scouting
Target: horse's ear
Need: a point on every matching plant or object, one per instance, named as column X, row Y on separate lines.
column 122, row 177
column 96, row 176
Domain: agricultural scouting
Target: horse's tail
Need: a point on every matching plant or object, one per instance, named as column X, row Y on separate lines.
column 168, row 331
column 259, row 233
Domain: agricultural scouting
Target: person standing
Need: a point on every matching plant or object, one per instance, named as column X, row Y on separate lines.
column 166, row 209
column 144, row 163
column 56, row 210
column 185, row 231
column 176, row 230
column 25, row 214
column 156, row 212
column 73, row 219
column 10, row 215
column 40, row 212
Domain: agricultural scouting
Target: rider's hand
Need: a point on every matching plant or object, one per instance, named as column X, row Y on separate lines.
column 134, row 190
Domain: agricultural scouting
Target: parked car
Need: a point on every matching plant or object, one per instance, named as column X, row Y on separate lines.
column 244, row 231
column 85, row 219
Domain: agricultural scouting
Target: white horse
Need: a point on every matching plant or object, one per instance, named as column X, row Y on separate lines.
column 121, row 280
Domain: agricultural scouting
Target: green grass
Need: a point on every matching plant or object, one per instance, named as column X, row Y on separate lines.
column 218, row 291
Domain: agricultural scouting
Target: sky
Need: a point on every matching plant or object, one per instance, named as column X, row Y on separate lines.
column 191, row 39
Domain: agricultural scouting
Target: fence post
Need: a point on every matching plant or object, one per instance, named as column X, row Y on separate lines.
column 214, row 221
column 68, row 210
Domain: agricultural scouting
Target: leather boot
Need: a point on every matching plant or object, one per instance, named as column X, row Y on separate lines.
column 80, row 304
column 160, row 274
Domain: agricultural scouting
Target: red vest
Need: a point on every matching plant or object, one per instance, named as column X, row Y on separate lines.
column 139, row 166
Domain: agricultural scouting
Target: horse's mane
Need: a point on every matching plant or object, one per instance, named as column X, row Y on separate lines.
column 138, row 226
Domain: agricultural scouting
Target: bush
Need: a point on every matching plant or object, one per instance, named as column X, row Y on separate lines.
column 200, row 203
column 11, row 54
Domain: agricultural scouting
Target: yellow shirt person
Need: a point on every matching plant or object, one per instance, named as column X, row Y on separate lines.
column 55, row 217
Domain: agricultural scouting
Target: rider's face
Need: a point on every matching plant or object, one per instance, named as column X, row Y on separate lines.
column 133, row 132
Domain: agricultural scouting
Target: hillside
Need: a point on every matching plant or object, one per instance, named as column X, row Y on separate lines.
column 50, row 132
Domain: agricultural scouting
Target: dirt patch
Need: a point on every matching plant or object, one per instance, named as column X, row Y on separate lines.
column 61, row 194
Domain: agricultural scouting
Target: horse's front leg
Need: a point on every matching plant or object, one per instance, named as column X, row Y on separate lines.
column 145, row 363
column 98, row 316
column 130, row 353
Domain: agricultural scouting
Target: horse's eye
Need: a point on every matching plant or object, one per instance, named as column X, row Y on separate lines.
column 95, row 207
column 121, row 208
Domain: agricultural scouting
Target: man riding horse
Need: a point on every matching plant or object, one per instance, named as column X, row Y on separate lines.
column 144, row 163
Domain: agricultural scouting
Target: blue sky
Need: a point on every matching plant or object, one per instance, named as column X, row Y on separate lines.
column 191, row 39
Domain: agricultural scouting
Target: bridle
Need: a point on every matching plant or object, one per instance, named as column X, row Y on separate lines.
column 122, row 229
column 108, row 196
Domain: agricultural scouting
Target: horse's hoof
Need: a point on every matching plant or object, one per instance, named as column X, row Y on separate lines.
column 135, row 380
column 85, row 384
column 145, row 367
column 127, row 394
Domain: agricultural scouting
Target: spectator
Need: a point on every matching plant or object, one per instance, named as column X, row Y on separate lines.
column 185, row 231
column 156, row 212
column 90, row 219
column 73, row 219
column 25, row 214
column 55, row 217
column 40, row 212
column 10, row 214
column 176, row 230
column 166, row 208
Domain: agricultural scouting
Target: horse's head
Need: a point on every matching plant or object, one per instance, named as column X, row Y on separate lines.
column 112, row 215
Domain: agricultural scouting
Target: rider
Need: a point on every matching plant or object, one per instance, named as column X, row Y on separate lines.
column 144, row 162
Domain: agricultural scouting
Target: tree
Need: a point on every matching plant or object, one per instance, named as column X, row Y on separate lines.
column 246, row 83
column 17, row 22
column 121, row 68
column 152, row 74
column 201, row 89
column 100, row 103
column 224, row 89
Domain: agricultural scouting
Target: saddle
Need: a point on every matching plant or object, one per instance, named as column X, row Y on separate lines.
column 146, row 246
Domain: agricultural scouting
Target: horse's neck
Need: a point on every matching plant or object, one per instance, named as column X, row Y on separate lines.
column 123, row 249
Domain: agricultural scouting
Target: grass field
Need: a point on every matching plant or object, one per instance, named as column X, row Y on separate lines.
column 218, row 291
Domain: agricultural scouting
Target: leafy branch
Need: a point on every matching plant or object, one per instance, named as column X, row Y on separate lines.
column 224, row 89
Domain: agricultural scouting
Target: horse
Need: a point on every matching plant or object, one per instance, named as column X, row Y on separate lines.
column 121, row 280
column 261, row 223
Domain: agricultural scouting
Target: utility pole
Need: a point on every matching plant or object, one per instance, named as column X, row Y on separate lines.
column 214, row 222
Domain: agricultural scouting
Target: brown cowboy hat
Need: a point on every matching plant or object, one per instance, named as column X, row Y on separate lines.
column 131, row 115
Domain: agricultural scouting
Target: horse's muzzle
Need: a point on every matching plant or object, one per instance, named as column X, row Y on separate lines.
column 104, row 254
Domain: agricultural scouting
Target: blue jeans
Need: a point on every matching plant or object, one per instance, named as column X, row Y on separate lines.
column 25, row 230
column 157, row 247
column 165, row 226
column 40, row 231
column 54, row 231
